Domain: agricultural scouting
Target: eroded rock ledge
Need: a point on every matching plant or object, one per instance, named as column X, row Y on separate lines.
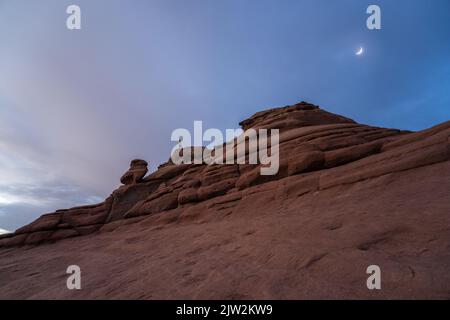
column 318, row 150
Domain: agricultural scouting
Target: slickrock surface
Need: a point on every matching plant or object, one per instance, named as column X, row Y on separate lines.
column 346, row 196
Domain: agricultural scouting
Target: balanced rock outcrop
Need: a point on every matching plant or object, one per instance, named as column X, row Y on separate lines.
column 346, row 196
column 138, row 170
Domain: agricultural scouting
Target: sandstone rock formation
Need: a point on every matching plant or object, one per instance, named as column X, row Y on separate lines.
column 138, row 170
column 346, row 196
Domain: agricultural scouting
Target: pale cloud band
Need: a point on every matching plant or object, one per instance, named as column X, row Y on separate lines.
column 3, row 231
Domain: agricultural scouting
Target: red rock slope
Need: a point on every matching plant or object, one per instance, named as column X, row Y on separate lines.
column 347, row 196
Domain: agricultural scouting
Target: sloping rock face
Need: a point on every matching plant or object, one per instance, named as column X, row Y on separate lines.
column 346, row 196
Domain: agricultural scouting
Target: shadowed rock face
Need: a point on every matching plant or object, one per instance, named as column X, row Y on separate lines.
column 346, row 196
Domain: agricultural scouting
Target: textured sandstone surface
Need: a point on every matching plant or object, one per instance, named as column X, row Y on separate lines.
column 346, row 196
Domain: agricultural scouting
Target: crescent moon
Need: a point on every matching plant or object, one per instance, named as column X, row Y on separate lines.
column 360, row 51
